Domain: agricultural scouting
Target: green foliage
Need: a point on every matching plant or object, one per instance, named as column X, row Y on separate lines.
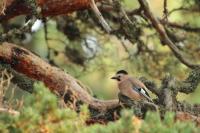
column 153, row 124
column 41, row 113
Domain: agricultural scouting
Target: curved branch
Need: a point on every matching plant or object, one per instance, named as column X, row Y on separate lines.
column 23, row 61
column 163, row 35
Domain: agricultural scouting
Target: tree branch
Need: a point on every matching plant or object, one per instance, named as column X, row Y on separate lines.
column 191, row 83
column 182, row 27
column 57, row 80
column 163, row 35
column 23, row 61
column 184, row 116
column 48, row 7
column 99, row 16
column 9, row 111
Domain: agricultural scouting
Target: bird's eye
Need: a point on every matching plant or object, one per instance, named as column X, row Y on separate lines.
column 119, row 76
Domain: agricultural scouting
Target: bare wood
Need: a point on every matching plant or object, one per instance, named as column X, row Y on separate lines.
column 23, row 61
column 9, row 111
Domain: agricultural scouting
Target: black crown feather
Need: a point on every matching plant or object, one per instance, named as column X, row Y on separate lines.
column 122, row 71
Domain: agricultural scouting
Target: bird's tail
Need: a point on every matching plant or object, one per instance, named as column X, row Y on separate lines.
column 148, row 98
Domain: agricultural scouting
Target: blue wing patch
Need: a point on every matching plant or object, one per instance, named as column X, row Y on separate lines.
column 140, row 90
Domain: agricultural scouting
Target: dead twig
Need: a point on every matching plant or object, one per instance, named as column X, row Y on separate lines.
column 2, row 7
column 9, row 111
column 165, row 11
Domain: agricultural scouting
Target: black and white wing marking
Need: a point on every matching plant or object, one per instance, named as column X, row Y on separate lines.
column 143, row 92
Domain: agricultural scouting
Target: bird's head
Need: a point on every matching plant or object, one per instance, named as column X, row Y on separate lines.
column 120, row 75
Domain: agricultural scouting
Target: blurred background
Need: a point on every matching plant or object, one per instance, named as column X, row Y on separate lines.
column 78, row 44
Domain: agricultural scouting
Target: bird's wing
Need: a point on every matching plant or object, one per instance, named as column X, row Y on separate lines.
column 143, row 92
column 140, row 88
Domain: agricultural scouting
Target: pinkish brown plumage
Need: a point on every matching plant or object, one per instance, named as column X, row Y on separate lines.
column 131, row 87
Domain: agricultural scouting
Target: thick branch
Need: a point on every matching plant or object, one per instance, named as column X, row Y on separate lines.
column 184, row 116
column 191, row 83
column 187, row 86
column 57, row 80
column 190, row 108
column 48, row 7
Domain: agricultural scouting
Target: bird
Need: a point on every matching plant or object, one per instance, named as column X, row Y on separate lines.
column 131, row 87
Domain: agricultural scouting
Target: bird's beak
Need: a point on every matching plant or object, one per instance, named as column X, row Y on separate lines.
column 114, row 77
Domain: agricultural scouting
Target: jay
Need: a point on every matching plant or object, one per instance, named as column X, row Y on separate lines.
column 131, row 87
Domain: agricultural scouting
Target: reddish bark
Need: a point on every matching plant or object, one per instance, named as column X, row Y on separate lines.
column 23, row 61
column 48, row 7
column 184, row 116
